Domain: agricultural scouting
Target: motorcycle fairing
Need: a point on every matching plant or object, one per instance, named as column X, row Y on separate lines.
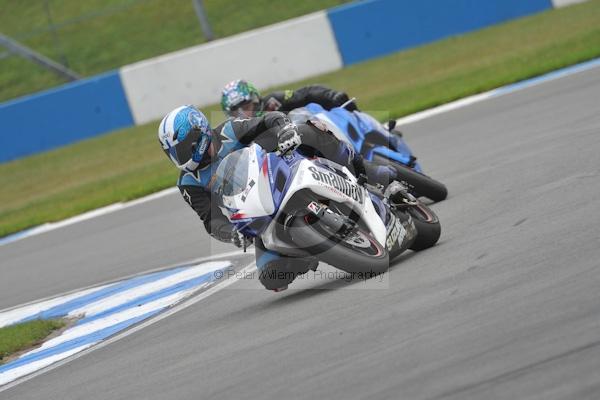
column 253, row 199
column 354, row 127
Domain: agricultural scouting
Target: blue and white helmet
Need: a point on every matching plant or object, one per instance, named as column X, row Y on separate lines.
column 185, row 136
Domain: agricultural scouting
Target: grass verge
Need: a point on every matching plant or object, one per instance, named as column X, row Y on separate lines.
column 127, row 164
column 19, row 337
column 94, row 36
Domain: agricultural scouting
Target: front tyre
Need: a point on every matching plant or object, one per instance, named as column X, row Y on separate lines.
column 427, row 225
column 357, row 252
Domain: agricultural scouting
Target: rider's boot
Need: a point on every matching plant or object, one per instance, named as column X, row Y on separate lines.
column 278, row 274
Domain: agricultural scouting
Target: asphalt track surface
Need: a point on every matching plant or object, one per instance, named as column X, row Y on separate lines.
column 126, row 242
column 507, row 306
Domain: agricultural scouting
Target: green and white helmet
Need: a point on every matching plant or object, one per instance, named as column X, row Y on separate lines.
column 241, row 99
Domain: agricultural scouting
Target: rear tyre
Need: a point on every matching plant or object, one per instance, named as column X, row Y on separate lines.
column 355, row 253
column 428, row 227
column 423, row 185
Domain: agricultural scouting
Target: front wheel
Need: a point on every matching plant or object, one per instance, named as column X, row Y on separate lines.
column 427, row 225
column 356, row 252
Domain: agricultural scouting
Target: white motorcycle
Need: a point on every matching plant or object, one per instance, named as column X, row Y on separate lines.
column 301, row 207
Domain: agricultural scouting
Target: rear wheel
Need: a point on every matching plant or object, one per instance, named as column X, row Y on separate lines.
column 358, row 251
column 422, row 184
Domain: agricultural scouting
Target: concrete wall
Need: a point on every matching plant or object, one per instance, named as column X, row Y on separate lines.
column 275, row 55
column 564, row 3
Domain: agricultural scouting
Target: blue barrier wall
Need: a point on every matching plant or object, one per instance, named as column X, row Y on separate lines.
column 63, row 115
column 377, row 27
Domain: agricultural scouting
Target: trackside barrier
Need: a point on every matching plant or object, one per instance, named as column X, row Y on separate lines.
column 274, row 55
column 369, row 29
column 63, row 115
column 268, row 56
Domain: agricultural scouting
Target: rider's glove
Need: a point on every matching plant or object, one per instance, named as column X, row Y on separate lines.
column 288, row 139
column 340, row 98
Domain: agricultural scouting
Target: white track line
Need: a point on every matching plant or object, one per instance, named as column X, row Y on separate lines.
column 113, row 319
column 14, row 374
column 80, row 352
column 89, row 310
column 85, row 330
column 501, row 91
column 409, row 119
column 21, row 312
column 60, row 298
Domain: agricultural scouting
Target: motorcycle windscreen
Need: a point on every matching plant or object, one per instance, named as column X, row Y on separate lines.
column 232, row 175
column 241, row 185
column 300, row 115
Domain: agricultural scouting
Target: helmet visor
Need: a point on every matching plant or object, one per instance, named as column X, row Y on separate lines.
column 182, row 151
column 246, row 109
column 200, row 153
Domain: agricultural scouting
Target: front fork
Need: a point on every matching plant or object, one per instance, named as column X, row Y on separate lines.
column 401, row 232
column 400, row 229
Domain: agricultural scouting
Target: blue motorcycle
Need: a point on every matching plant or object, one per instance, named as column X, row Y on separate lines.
column 377, row 143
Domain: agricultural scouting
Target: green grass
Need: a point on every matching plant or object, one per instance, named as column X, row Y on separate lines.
column 128, row 164
column 23, row 336
column 98, row 35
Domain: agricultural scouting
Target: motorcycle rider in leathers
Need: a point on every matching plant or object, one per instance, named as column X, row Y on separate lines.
column 197, row 149
column 240, row 98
